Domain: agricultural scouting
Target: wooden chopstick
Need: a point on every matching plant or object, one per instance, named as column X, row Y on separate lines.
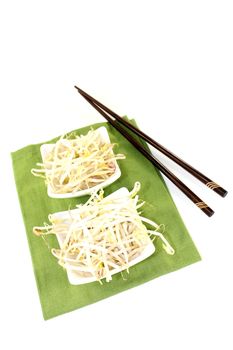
column 204, row 179
column 191, row 195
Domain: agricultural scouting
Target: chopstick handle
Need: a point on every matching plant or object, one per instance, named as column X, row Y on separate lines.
column 191, row 195
column 196, row 173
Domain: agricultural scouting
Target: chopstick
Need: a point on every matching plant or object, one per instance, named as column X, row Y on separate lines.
column 204, row 179
column 191, row 195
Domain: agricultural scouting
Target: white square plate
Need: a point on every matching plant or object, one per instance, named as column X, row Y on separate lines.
column 76, row 279
column 46, row 148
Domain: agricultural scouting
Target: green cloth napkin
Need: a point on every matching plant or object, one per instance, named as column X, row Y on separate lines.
column 57, row 295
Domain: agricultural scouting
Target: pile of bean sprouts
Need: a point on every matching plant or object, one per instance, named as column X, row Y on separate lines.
column 78, row 164
column 102, row 235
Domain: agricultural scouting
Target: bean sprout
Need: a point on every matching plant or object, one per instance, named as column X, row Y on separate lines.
column 78, row 164
column 101, row 235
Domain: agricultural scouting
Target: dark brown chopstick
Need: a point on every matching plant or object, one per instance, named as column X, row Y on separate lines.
column 191, row 195
column 204, row 179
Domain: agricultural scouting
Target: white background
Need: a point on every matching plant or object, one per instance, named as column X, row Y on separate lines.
column 169, row 64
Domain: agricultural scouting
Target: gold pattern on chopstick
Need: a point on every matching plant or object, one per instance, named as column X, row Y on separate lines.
column 212, row 185
column 201, row 205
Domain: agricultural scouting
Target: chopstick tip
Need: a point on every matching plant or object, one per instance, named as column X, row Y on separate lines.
column 81, row 91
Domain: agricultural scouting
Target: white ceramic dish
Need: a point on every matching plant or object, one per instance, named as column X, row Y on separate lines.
column 46, row 148
column 73, row 277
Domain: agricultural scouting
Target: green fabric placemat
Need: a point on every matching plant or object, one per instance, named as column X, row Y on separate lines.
column 57, row 296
